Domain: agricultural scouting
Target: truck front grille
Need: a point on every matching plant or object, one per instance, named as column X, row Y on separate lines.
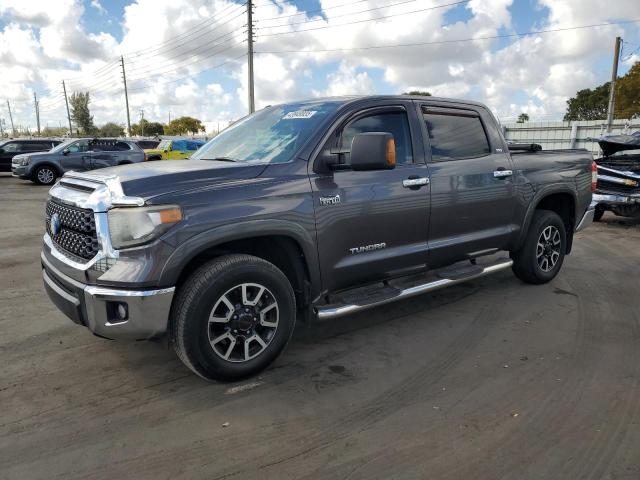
column 616, row 188
column 76, row 233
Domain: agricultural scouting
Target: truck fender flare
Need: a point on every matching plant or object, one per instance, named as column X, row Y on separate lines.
column 541, row 194
column 188, row 250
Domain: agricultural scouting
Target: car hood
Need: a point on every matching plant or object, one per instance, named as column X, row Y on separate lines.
column 45, row 154
column 150, row 179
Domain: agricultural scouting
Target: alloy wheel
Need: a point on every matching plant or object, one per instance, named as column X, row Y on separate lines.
column 548, row 248
column 45, row 176
column 243, row 322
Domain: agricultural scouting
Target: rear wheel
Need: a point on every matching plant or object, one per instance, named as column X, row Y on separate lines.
column 45, row 175
column 541, row 257
column 232, row 317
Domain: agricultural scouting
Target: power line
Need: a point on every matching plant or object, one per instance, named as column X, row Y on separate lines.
column 441, row 42
column 205, row 24
column 307, row 12
column 361, row 21
column 142, row 87
column 192, row 52
column 141, row 75
column 365, row 11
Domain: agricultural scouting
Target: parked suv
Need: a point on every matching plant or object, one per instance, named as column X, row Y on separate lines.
column 312, row 211
column 77, row 154
column 11, row 148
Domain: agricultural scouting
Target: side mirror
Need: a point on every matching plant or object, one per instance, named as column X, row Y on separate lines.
column 373, row 151
column 66, row 151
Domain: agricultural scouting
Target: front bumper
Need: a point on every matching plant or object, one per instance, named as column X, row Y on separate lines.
column 20, row 171
column 616, row 198
column 587, row 218
column 95, row 307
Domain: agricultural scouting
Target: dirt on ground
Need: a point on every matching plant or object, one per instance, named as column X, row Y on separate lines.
column 492, row 379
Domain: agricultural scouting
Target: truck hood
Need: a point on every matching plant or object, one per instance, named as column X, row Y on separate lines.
column 611, row 144
column 149, row 179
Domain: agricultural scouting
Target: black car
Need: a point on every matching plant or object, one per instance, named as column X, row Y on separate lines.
column 11, row 148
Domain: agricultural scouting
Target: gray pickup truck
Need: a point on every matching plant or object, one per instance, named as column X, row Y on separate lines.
column 312, row 211
column 77, row 154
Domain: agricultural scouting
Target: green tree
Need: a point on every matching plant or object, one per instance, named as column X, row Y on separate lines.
column 80, row 114
column 111, row 129
column 592, row 104
column 589, row 104
column 150, row 128
column 418, row 93
column 523, row 117
column 628, row 94
column 182, row 125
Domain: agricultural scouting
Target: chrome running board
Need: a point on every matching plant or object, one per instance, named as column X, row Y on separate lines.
column 334, row 311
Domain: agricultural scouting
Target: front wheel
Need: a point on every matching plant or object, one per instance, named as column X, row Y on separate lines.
column 542, row 254
column 232, row 317
column 45, row 175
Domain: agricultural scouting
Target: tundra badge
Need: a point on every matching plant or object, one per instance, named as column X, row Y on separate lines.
column 368, row 248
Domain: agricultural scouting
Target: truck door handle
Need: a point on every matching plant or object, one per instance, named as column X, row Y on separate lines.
column 415, row 182
column 502, row 173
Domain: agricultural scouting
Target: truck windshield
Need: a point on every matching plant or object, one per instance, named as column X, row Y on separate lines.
column 272, row 135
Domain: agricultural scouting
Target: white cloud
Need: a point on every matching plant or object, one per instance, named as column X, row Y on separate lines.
column 40, row 46
column 98, row 6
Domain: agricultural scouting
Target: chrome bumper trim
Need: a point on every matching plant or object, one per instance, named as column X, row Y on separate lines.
column 610, row 198
column 148, row 310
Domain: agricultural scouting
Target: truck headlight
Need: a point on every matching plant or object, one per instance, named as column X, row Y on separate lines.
column 129, row 227
column 25, row 161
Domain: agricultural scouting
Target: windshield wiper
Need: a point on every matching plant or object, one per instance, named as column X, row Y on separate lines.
column 222, row 159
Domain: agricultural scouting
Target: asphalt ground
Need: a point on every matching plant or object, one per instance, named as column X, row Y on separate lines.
column 492, row 379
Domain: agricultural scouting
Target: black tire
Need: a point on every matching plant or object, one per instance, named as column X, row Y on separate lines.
column 201, row 295
column 45, row 175
column 598, row 213
column 528, row 266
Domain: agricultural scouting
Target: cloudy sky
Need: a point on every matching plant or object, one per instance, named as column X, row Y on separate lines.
column 188, row 57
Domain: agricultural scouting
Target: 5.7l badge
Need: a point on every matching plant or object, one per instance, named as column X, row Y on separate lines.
column 335, row 200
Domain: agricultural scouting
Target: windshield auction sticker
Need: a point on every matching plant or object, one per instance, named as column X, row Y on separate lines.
column 300, row 114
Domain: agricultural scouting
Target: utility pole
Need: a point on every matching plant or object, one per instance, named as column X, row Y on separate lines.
column 35, row 103
column 13, row 129
column 1, row 128
column 169, row 117
column 614, row 77
column 252, row 106
column 142, row 121
column 126, row 95
column 66, row 101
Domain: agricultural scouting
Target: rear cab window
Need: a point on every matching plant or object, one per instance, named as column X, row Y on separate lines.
column 455, row 134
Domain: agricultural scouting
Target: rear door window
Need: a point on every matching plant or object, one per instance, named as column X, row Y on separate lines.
column 455, row 135
column 395, row 123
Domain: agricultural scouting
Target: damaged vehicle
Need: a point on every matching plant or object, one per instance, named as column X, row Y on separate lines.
column 618, row 187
